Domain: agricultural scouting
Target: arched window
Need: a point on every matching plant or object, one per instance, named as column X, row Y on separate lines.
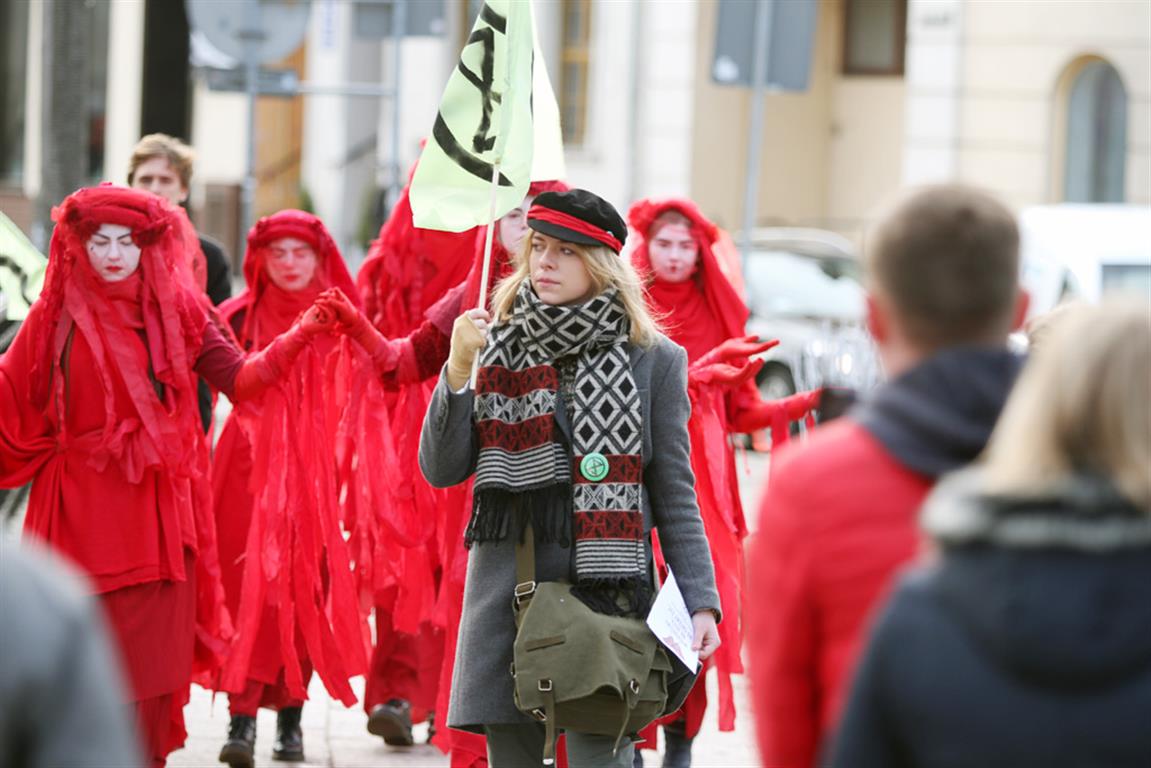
column 1096, row 148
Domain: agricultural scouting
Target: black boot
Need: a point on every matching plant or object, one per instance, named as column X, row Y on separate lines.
column 289, row 736
column 677, row 751
column 431, row 726
column 239, row 749
column 393, row 721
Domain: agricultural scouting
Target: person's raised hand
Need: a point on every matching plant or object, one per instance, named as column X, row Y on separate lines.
column 735, row 350
column 316, row 320
column 340, row 306
column 469, row 335
column 724, row 374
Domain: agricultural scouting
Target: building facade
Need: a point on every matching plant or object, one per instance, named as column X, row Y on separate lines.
column 1040, row 101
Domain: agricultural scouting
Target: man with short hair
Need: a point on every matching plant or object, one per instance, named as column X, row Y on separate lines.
column 839, row 517
column 162, row 164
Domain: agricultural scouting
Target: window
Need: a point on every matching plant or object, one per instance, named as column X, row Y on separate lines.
column 13, row 74
column 875, row 36
column 574, row 56
column 1096, row 150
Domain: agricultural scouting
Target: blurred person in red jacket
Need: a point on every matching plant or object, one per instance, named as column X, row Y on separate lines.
column 682, row 257
column 839, row 518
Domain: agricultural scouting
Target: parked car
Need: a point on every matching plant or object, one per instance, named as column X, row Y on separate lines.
column 805, row 288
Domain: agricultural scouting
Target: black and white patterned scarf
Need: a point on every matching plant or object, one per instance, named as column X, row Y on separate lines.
column 524, row 467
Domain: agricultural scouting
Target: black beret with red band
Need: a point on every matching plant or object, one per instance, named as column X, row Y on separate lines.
column 578, row 216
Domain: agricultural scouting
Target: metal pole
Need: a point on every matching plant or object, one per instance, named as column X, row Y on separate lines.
column 399, row 23
column 251, row 35
column 763, row 13
column 487, row 268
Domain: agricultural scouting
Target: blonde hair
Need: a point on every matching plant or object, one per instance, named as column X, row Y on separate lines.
column 606, row 268
column 178, row 154
column 1040, row 327
column 1081, row 405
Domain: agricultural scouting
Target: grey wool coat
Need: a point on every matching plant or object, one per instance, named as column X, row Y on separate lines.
column 482, row 682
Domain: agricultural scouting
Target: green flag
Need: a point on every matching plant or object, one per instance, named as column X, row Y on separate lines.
column 21, row 271
column 484, row 123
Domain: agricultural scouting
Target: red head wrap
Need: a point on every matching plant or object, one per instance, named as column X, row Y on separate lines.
column 704, row 310
column 408, row 269
column 159, row 301
column 270, row 310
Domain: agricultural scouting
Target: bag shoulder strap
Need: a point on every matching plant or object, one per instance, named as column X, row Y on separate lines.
column 525, row 567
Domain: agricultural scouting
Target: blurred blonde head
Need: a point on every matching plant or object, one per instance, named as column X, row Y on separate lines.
column 606, row 268
column 1082, row 404
column 1039, row 328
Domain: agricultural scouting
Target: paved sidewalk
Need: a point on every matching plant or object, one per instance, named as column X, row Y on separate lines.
column 336, row 737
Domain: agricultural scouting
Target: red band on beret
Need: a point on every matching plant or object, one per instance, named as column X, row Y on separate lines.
column 550, row 215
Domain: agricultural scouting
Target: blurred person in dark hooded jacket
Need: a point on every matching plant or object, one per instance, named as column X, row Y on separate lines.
column 839, row 517
column 1029, row 642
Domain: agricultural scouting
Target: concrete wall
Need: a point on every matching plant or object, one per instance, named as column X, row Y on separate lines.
column 986, row 90
column 828, row 153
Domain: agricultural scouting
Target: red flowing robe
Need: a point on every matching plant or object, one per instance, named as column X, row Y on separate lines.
column 448, row 509
column 408, row 270
column 98, row 410
column 285, row 565
column 699, row 314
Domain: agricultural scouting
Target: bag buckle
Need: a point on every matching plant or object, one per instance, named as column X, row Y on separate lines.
column 545, row 685
column 634, row 685
column 539, row 714
column 523, row 593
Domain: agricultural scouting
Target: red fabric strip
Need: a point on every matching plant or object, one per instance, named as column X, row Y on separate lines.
column 607, row 524
column 540, row 213
column 518, row 436
column 504, row 381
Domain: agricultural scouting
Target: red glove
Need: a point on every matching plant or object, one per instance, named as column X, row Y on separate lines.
column 733, row 350
column 272, row 363
column 723, row 374
column 352, row 322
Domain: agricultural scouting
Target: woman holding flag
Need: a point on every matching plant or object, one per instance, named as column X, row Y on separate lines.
column 567, row 322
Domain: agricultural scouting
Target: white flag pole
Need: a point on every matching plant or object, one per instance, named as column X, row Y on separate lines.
column 487, row 266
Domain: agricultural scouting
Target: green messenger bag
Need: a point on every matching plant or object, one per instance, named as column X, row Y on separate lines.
column 579, row 670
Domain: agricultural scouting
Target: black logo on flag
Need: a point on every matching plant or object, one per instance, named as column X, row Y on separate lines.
column 484, row 139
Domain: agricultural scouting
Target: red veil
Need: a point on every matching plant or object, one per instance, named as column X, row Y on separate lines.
column 294, row 556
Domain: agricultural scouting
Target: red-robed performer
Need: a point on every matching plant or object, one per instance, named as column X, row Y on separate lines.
column 406, row 272
column 286, row 440
column 98, row 408
column 414, row 359
column 700, row 309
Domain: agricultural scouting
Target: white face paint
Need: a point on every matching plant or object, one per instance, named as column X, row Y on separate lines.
column 673, row 253
column 291, row 263
column 112, row 253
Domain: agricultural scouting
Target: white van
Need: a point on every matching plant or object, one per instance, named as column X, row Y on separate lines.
column 1085, row 252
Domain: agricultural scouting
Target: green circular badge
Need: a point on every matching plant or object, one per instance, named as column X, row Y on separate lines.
column 594, row 467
